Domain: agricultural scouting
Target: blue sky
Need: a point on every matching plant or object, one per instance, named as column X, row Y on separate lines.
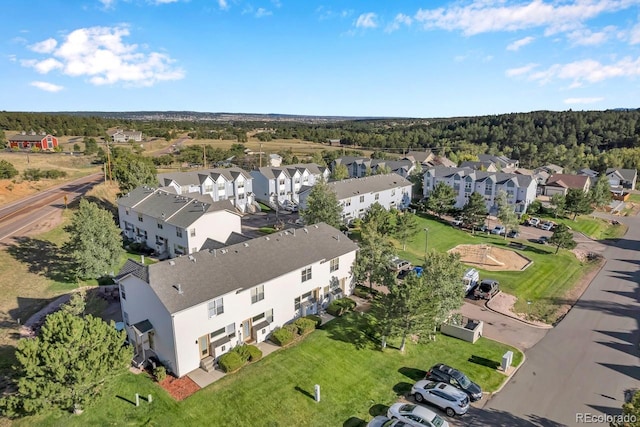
column 357, row 58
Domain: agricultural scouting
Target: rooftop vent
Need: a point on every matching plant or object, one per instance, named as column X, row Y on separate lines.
column 316, row 226
column 246, row 245
column 172, row 262
column 306, row 230
column 192, row 258
column 266, row 237
column 179, row 288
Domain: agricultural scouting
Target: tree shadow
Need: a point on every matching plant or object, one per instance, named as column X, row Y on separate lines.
column 625, row 348
column 353, row 328
column 27, row 307
column 413, row 373
column 378, row 409
column 402, row 388
column 42, row 257
column 484, row 362
column 354, row 422
column 305, row 392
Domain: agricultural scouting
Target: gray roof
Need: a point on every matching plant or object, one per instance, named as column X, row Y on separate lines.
column 31, row 138
column 368, row 184
column 135, row 268
column 206, row 275
column 626, row 174
column 421, row 156
column 499, row 177
column 234, row 238
column 589, row 172
column 502, row 160
column 476, row 165
column 178, row 210
column 348, row 160
column 394, row 165
column 271, row 171
column 198, row 177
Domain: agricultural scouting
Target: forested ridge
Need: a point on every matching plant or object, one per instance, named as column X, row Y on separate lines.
column 573, row 139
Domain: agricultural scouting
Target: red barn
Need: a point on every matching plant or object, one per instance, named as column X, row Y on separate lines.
column 28, row 141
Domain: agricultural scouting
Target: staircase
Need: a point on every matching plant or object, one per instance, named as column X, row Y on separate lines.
column 207, row 364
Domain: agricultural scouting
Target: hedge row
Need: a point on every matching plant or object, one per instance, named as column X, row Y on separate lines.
column 300, row 327
column 341, row 306
column 238, row 357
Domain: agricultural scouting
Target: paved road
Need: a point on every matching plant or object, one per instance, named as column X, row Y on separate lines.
column 586, row 362
column 18, row 216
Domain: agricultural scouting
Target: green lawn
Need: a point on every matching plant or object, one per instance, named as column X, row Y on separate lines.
column 540, row 283
column 357, row 381
column 595, row 228
column 634, row 198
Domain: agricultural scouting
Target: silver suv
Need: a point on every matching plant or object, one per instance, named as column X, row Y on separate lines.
column 446, row 397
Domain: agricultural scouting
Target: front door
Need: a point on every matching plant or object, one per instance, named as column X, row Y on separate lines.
column 246, row 330
column 203, row 346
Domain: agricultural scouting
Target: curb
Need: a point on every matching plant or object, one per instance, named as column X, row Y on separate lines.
column 533, row 325
column 515, row 369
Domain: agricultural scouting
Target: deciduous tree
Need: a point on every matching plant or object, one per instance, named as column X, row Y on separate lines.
column 68, row 365
column 379, row 219
column 562, row 238
column 443, row 274
column 442, row 199
column 340, row 172
column 322, row 206
column 373, row 257
column 7, row 170
column 95, row 242
column 559, row 203
column 132, row 171
column 506, row 213
column 600, row 193
column 406, row 226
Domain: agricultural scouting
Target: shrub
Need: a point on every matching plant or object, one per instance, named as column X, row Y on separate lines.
column 243, row 352
column 230, row 361
column 364, row 292
column 341, row 306
column 32, row 174
column 255, row 353
column 160, row 373
column 304, row 326
column 291, row 328
column 7, row 170
column 282, row 336
column 53, row 174
column 316, row 319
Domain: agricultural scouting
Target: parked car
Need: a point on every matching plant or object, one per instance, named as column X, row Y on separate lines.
column 457, row 222
column 547, row 226
column 486, row 289
column 482, row 228
column 382, row 421
column 414, row 415
column 450, row 399
column 543, row 240
column 404, row 273
column 400, row 264
column 499, row 230
column 513, row 234
column 533, row 222
column 449, row 375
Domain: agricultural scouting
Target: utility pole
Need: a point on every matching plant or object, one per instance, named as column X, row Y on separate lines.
column 261, row 154
column 109, row 163
column 204, row 156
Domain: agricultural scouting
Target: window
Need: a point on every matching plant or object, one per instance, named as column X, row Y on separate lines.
column 221, row 186
column 377, row 196
column 258, row 317
column 281, row 182
column 230, row 330
column 194, row 249
column 269, row 314
column 241, row 196
column 306, row 274
column 123, row 294
column 179, row 250
column 306, row 296
column 296, row 303
column 217, row 333
column 208, row 188
column 334, row 264
column 125, row 317
column 257, row 294
column 216, row 307
column 240, row 185
column 361, row 199
column 193, row 232
column 179, row 232
column 347, row 202
column 393, row 192
column 160, row 226
column 140, row 217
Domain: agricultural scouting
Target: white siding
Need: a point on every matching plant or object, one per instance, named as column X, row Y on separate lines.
column 216, row 225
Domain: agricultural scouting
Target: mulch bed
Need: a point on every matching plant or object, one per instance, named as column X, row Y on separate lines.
column 179, row 388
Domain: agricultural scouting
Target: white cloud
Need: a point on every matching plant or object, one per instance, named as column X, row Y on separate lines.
column 367, row 20
column 262, row 12
column 164, row 1
column 324, row 13
column 634, row 35
column 582, row 100
column 223, row 4
column 12, row 58
column 586, row 37
column 108, row 4
column 276, row 3
column 101, row 55
column 585, row 71
column 514, row 72
column 49, row 87
column 516, row 45
column 482, row 16
column 398, row 21
column 45, row 46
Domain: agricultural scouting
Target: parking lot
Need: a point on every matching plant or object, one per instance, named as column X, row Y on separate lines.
column 251, row 223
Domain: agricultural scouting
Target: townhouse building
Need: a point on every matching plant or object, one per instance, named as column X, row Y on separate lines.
column 189, row 311
column 174, row 224
column 279, row 184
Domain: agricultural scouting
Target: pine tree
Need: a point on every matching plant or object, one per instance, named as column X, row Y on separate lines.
column 322, row 206
column 474, row 212
column 373, row 257
column 67, row 366
column 442, row 199
column 578, row 202
column 95, row 242
column 562, row 238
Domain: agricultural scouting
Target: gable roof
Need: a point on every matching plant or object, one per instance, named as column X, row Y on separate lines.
column 480, row 176
column 270, row 172
column 420, row 156
column 178, row 210
column 567, row 181
column 134, row 268
column 368, row 184
column 588, row 172
column 28, row 137
column 206, row 275
column 501, row 160
column 476, row 165
column 626, row 174
column 198, row 177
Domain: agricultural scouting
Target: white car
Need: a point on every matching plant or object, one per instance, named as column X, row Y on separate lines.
column 416, row 416
column 499, row 230
column 451, row 400
column 382, row 421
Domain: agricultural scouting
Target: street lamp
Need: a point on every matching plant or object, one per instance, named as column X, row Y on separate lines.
column 426, row 241
column 528, row 310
